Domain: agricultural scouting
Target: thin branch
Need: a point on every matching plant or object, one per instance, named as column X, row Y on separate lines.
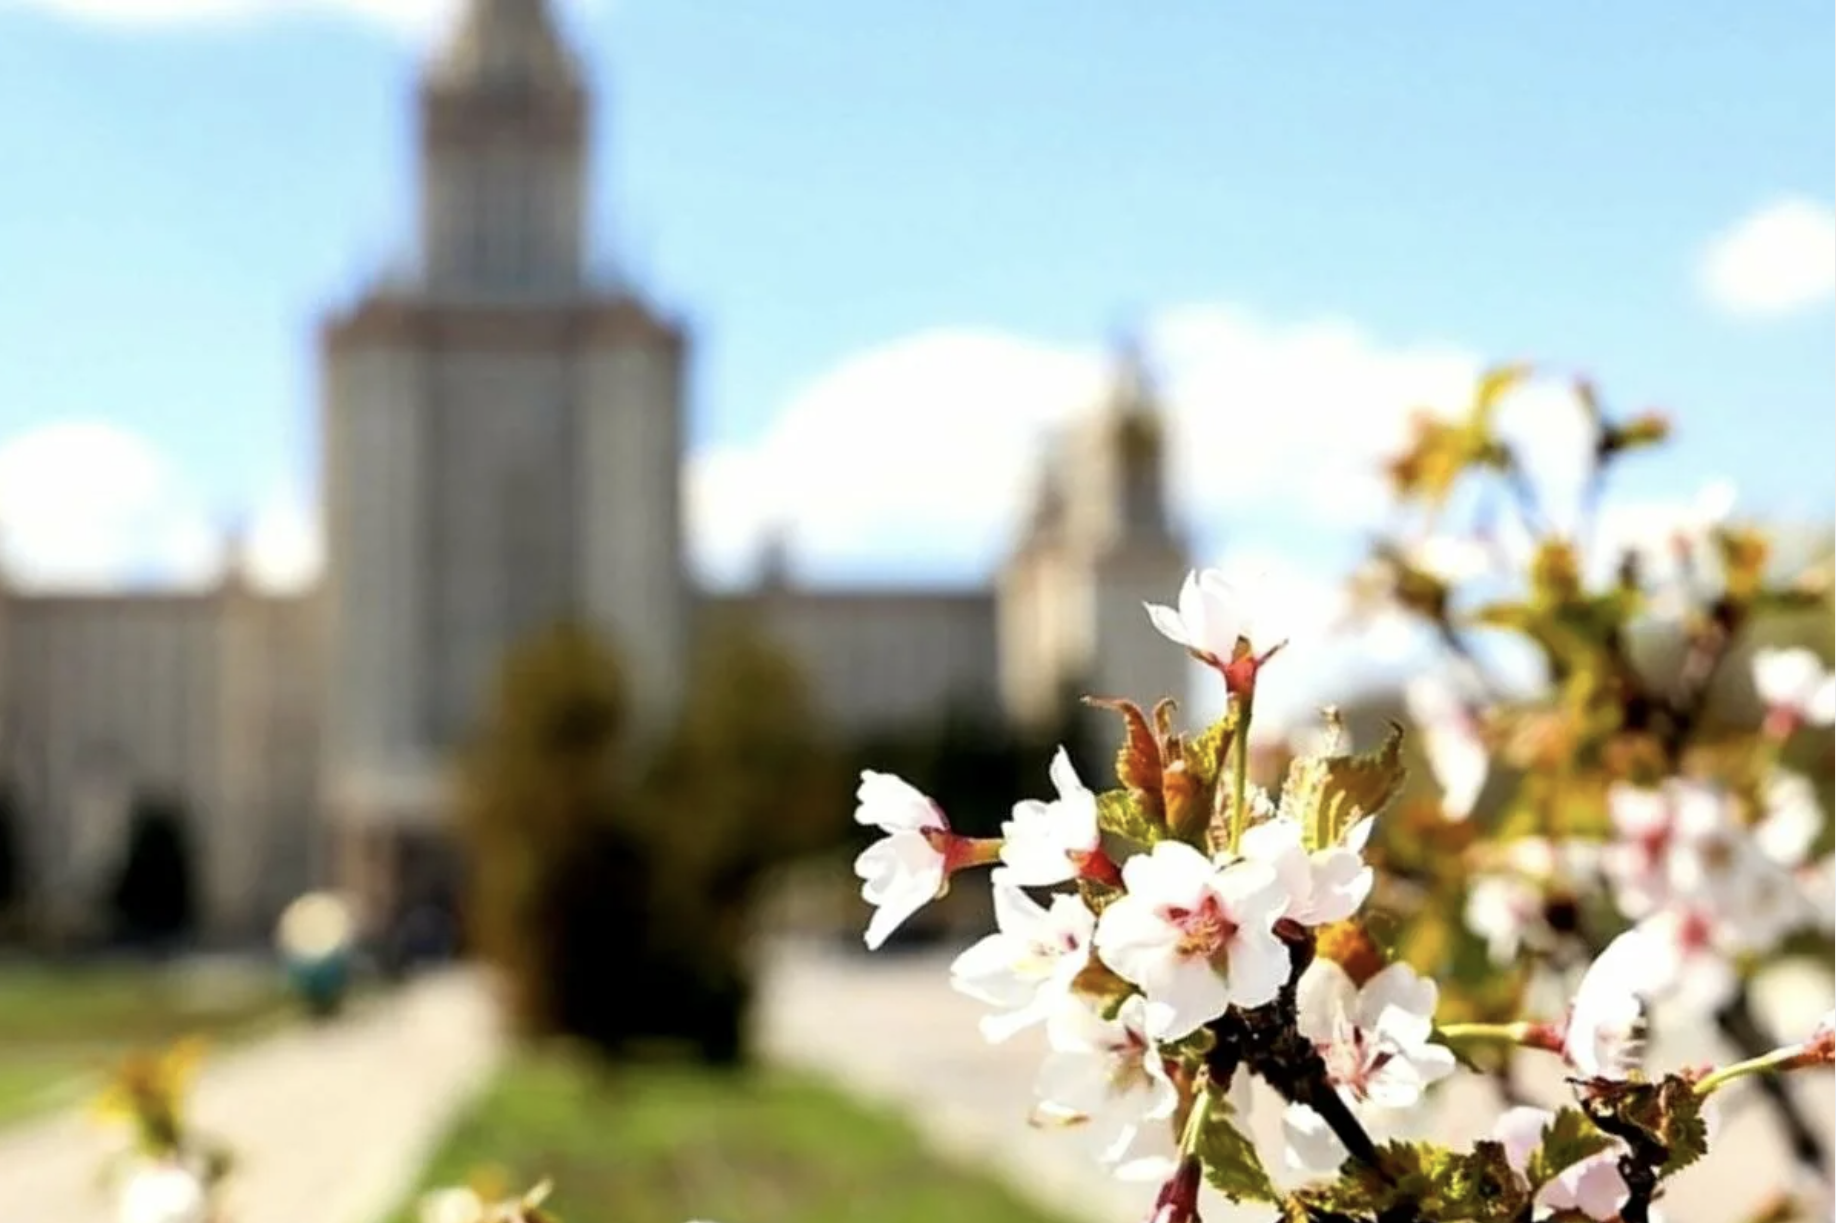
column 1743, row 1030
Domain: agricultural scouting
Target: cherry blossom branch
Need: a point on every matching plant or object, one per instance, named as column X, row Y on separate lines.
column 1524, row 1033
column 1267, row 1041
column 1741, row 1027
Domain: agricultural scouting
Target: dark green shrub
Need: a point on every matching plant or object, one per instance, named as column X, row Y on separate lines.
column 153, row 901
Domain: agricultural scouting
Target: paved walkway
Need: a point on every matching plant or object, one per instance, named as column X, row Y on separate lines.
column 330, row 1123
column 889, row 1027
column 333, row 1123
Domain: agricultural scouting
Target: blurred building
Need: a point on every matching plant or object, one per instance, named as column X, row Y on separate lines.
column 503, row 437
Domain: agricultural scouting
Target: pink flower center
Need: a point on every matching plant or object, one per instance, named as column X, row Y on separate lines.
column 1128, row 1064
column 1054, row 946
column 1353, row 1060
column 1205, row 931
column 1693, row 932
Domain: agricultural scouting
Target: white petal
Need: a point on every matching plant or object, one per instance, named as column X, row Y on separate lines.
column 1031, row 849
column 1223, row 611
column 1075, row 1082
column 894, row 860
column 1277, row 844
column 986, row 972
column 1184, row 996
column 1311, row 1146
column 1168, row 623
column 1173, row 872
column 1399, row 1003
column 1784, row 677
column 1637, row 811
column 1820, row 705
column 1793, row 819
column 1074, row 1026
column 1259, row 967
column 1593, row 1186
column 902, row 874
column 1064, row 776
column 1016, row 913
column 1253, row 894
column 1338, row 883
column 894, row 804
column 1605, row 1022
column 891, row 914
column 1520, row 1131
column 1324, row 995
column 1133, row 940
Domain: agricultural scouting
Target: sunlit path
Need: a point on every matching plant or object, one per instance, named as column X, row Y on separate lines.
column 329, row 1124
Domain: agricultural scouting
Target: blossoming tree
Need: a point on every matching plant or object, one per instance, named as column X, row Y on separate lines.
column 1187, row 931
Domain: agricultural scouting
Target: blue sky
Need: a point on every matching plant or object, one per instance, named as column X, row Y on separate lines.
column 816, row 185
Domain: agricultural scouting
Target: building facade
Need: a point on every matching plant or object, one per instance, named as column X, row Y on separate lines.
column 503, row 440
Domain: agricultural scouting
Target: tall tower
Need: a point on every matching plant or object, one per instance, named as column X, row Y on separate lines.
column 1099, row 543
column 502, row 440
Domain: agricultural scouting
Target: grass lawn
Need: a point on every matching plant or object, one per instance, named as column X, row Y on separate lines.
column 665, row 1144
column 63, row 1028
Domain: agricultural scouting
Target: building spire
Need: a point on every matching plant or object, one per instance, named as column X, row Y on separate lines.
column 1132, row 388
column 505, row 44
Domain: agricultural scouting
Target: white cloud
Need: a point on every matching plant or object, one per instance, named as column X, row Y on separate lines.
column 282, row 551
column 922, row 445
column 1777, row 260
column 84, row 505
column 930, row 445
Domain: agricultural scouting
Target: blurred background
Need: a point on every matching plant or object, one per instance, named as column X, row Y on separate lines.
column 510, row 464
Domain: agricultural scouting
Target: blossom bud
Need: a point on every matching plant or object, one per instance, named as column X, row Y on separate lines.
column 1820, row 1048
column 1177, row 1201
column 1347, row 944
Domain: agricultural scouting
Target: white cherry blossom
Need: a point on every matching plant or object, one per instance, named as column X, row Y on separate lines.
column 1026, row 967
column 1792, row 821
column 466, row 1205
column 1685, row 855
column 1052, row 842
column 1592, row 1186
column 1794, row 683
column 1449, row 735
column 1108, row 1073
column 1376, row 1040
column 1507, row 901
column 1196, row 937
column 1685, row 961
column 910, row 866
column 1604, row 1033
column 1214, row 617
column 1326, row 885
column 163, row 1191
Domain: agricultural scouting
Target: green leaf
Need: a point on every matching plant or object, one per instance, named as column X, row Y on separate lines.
column 1440, row 1185
column 1097, row 982
column 1568, row 1138
column 1122, row 813
column 1666, row 1115
column 1494, row 385
column 1231, row 1163
column 1328, row 793
column 1206, row 754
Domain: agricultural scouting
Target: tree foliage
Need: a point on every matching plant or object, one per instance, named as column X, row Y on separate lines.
column 154, row 896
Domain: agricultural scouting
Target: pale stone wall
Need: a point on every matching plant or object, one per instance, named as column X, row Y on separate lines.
column 375, row 499
column 880, row 661
column 628, row 466
column 207, row 697
column 496, row 565
column 1131, row 659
